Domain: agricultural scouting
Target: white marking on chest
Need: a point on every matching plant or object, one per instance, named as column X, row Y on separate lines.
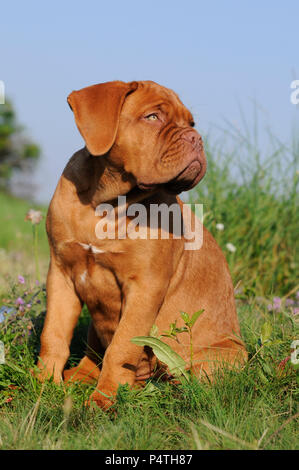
column 83, row 276
column 91, row 248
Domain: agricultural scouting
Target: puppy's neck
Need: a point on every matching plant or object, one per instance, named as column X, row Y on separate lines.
column 97, row 180
column 109, row 181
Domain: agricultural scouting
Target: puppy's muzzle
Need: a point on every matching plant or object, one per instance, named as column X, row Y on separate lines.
column 195, row 165
column 188, row 167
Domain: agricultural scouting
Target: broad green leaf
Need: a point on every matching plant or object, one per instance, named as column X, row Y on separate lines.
column 185, row 317
column 195, row 316
column 266, row 331
column 164, row 353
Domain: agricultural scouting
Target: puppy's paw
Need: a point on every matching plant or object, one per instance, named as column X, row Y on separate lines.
column 103, row 400
column 76, row 375
column 42, row 374
column 86, row 371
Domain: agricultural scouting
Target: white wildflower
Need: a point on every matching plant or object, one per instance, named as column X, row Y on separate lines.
column 34, row 216
column 231, row 247
column 220, row 226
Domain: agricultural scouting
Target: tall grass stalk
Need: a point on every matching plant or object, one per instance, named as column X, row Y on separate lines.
column 35, row 249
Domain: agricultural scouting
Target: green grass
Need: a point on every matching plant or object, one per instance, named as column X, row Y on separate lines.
column 16, row 242
column 258, row 207
column 16, row 232
column 250, row 409
column 255, row 408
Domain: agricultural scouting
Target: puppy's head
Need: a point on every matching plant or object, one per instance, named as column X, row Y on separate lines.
column 144, row 129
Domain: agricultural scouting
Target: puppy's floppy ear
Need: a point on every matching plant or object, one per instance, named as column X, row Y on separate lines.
column 97, row 109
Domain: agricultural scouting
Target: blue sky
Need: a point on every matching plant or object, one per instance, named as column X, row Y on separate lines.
column 214, row 54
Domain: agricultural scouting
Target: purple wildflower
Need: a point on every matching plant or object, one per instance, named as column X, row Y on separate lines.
column 277, row 302
column 20, row 301
column 296, row 311
column 289, row 302
column 21, row 279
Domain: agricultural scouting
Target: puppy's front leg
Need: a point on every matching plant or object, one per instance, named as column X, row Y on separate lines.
column 139, row 310
column 63, row 310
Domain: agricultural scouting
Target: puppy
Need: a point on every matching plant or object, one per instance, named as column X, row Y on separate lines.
column 141, row 150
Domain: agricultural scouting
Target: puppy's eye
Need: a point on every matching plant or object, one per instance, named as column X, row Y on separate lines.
column 152, row 117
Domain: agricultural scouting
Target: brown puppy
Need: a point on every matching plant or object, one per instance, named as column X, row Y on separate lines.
column 140, row 143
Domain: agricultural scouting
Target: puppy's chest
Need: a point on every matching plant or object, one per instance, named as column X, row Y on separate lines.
column 97, row 287
column 92, row 270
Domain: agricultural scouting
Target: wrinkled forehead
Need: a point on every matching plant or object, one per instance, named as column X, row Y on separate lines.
column 150, row 96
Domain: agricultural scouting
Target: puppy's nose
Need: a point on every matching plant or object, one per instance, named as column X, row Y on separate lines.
column 193, row 138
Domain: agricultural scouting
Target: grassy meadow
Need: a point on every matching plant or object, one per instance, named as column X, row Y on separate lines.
column 250, row 206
